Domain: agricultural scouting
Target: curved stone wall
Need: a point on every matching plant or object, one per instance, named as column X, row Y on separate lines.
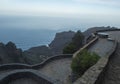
column 12, row 74
column 25, row 73
column 36, row 66
column 88, row 45
column 92, row 74
column 89, row 77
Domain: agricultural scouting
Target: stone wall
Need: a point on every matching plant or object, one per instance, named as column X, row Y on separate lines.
column 25, row 73
column 86, row 46
column 18, row 70
column 92, row 74
column 38, row 66
column 89, row 77
column 13, row 66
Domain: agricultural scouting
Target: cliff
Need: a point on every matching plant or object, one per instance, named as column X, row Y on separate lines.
column 60, row 41
column 38, row 54
column 10, row 54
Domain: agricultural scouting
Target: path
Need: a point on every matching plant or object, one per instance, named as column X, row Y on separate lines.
column 24, row 81
column 101, row 47
column 58, row 69
column 112, row 75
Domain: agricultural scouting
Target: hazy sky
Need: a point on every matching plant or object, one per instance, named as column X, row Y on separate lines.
column 60, row 7
column 94, row 10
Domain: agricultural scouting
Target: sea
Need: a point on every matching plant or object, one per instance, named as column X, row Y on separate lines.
column 32, row 31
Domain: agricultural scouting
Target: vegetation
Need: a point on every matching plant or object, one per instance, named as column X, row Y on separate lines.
column 77, row 42
column 83, row 61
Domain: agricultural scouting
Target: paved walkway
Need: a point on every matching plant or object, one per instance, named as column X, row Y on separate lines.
column 115, row 35
column 101, row 47
column 112, row 75
column 58, row 69
column 24, row 81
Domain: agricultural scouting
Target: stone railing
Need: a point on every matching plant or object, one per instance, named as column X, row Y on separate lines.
column 38, row 66
column 86, row 46
column 92, row 74
column 25, row 73
column 18, row 70
column 89, row 77
column 13, row 66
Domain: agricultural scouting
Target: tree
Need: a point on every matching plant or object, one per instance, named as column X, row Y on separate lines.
column 78, row 39
column 83, row 61
column 77, row 42
column 70, row 49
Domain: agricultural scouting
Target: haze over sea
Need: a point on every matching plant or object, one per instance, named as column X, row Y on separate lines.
column 27, row 32
column 30, row 23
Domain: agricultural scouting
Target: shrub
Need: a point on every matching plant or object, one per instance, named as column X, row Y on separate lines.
column 83, row 61
column 70, row 49
column 77, row 42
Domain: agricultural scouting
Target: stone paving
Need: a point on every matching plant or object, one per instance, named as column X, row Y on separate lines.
column 58, row 69
column 28, row 76
column 101, row 47
column 114, row 35
column 112, row 75
column 24, row 81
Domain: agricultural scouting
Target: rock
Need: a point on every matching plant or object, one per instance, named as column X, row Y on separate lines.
column 37, row 54
column 60, row 41
column 10, row 54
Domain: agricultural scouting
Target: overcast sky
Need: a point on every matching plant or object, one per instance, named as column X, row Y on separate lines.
column 60, row 7
column 102, row 10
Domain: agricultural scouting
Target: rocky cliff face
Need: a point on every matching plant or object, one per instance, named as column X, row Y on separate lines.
column 10, row 54
column 38, row 54
column 60, row 41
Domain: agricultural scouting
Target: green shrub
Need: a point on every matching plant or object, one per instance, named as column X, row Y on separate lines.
column 70, row 49
column 77, row 42
column 83, row 61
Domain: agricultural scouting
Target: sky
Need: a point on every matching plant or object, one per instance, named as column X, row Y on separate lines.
column 92, row 10
column 60, row 7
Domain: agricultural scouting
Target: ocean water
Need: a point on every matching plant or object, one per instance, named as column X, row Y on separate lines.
column 27, row 32
column 26, row 39
column 31, row 31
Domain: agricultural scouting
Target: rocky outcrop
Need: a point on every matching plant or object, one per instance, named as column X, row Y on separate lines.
column 10, row 54
column 60, row 41
column 38, row 54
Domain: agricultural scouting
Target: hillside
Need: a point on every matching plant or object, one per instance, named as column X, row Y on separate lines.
column 39, row 53
column 10, row 54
